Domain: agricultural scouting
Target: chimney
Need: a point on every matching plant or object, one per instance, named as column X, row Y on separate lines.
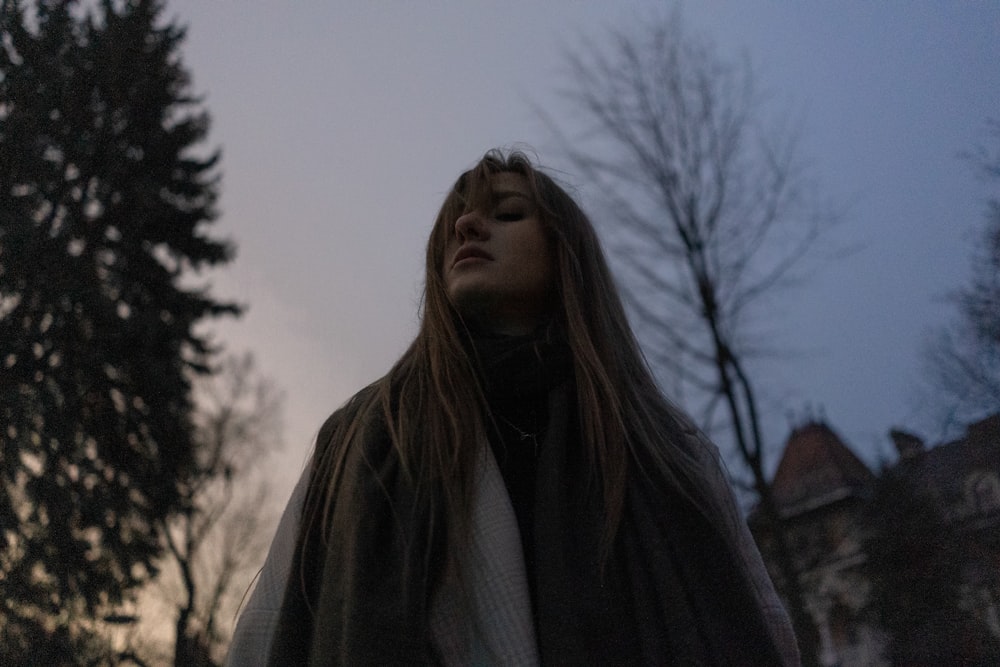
column 908, row 445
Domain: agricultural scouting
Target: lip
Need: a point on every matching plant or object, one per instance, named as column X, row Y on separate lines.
column 470, row 252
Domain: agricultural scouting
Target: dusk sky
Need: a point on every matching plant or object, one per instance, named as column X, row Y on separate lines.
column 343, row 124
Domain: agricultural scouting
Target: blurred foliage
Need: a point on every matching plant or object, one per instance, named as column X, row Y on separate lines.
column 915, row 564
column 103, row 210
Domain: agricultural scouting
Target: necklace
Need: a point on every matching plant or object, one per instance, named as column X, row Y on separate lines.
column 521, row 434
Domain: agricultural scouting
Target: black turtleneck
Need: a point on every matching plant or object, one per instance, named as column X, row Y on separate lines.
column 517, row 373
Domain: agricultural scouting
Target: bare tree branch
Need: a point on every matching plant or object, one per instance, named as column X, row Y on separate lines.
column 963, row 359
column 217, row 542
column 708, row 213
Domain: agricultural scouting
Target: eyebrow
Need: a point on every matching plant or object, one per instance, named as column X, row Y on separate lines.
column 500, row 195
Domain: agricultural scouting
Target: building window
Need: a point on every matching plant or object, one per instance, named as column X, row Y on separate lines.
column 983, row 492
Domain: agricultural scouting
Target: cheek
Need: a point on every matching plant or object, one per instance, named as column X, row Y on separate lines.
column 542, row 263
column 449, row 247
column 548, row 274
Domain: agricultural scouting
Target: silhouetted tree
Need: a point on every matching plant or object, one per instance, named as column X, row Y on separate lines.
column 218, row 540
column 105, row 199
column 963, row 359
column 706, row 210
column 915, row 562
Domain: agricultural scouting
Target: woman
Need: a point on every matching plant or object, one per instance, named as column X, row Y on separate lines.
column 516, row 490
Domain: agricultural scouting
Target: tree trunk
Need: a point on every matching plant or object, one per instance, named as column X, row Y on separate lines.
column 751, row 449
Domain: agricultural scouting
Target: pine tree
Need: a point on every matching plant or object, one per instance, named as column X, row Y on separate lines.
column 106, row 191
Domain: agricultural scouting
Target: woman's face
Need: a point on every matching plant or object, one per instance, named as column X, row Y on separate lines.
column 497, row 268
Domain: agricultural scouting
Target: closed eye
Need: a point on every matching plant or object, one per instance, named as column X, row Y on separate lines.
column 510, row 216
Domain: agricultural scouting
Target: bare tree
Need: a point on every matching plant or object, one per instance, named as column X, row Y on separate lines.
column 963, row 359
column 216, row 543
column 707, row 213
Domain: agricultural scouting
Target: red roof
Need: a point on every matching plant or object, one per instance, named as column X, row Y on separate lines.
column 817, row 468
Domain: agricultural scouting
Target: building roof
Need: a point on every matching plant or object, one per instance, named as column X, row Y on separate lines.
column 817, row 469
column 945, row 469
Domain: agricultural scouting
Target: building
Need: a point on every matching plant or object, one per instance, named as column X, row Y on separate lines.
column 824, row 493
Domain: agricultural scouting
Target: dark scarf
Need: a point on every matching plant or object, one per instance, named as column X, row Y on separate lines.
column 671, row 592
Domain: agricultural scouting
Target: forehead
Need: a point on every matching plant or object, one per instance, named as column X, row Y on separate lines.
column 485, row 191
column 507, row 183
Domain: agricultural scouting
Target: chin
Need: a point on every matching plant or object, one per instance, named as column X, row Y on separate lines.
column 474, row 305
column 467, row 292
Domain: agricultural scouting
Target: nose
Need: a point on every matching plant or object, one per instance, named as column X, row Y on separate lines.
column 471, row 226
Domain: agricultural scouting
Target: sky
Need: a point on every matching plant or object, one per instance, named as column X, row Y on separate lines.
column 343, row 124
